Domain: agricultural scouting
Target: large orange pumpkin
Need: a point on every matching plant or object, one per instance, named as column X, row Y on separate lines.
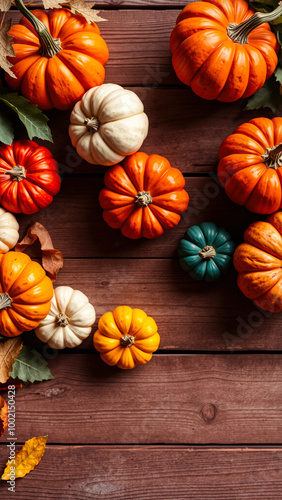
column 25, row 294
column 250, row 167
column 58, row 57
column 259, row 263
column 143, row 196
column 224, row 50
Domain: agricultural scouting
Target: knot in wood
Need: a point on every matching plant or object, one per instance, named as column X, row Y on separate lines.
column 208, row 413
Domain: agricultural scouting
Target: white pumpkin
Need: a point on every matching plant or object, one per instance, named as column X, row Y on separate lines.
column 9, row 231
column 108, row 124
column 69, row 321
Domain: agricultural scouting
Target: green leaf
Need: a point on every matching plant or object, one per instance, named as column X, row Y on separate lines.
column 6, row 128
column 31, row 116
column 267, row 97
column 278, row 74
column 30, row 366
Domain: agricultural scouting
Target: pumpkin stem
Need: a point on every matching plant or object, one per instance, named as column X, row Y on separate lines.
column 208, row 253
column 92, row 124
column 5, row 301
column 273, row 157
column 143, row 198
column 17, row 173
column 239, row 32
column 127, row 341
column 62, row 319
column 49, row 46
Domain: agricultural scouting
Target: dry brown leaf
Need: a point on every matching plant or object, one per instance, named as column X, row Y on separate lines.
column 3, row 416
column 26, row 459
column 6, row 48
column 9, row 350
column 52, row 259
column 85, row 10
column 53, row 4
column 5, row 5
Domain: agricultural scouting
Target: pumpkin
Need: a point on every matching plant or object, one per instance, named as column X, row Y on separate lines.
column 250, row 167
column 108, row 124
column 25, row 294
column 259, row 263
column 29, row 177
column 9, row 231
column 58, row 56
column 3, row 416
column 143, row 196
column 206, row 251
column 69, row 320
column 223, row 50
column 126, row 337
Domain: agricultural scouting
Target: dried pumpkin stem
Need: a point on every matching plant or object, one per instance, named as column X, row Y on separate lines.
column 239, row 32
column 50, row 46
column 127, row 340
column 62, row 319
column 143, row 199
column 273, row 157
column 92, row 124
column 5, row 301
column 208, row 253
column 17, row 173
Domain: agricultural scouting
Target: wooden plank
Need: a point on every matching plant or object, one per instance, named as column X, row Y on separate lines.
column 218, row 399
column 78, row 229
column 159, row 472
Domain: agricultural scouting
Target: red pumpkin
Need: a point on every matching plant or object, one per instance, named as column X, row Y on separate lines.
column 55, row 66
column 250, row 167
column 224, row 50
column 143, row 196
column 29, row 177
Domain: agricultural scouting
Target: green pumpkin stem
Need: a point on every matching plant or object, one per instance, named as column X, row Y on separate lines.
column 239, row 32
column 50, row 46
column 208, row 253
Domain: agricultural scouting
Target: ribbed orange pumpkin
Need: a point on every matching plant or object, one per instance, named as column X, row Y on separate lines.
column 25, row 294
column 126, row 337
column 222, row 49
column 250, row 167
column 143, row 196
column 259, row 263
column 57, row 61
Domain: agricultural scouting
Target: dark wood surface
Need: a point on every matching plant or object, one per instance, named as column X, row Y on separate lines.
column 197, row 421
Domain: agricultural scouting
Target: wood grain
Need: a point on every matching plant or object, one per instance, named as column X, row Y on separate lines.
column 191, row 316
column 158, row 472
column 218, row 399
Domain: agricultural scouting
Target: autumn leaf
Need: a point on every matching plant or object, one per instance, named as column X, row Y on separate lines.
column 26, row 459
column 6, row 48
column 5, row 5
column 52, row 259
column 85, row 10
column 53, row 4
column 30, row 366
column 3, row 416
column 9, row 350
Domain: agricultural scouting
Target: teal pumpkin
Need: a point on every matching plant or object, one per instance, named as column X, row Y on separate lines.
column 206, row 251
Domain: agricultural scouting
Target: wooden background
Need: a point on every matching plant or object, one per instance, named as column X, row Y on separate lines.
column 203, row 419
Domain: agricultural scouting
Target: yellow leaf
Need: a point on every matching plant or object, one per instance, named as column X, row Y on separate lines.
column 26, row 459
column 9, row 350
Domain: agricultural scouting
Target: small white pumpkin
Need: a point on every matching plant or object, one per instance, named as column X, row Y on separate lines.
column 69, row 321
column 9, row 231
column 108, row 124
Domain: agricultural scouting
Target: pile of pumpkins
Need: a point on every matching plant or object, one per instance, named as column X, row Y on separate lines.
column 222, row 50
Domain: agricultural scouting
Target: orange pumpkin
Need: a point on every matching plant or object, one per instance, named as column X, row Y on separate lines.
column 25, row 294
column 126, row 337
column 224, row 50
column 58, row 57
column 143, row 196
column 250, row 167
column 259, row 263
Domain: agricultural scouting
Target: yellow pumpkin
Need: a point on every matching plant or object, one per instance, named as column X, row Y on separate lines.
column 126, row 337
